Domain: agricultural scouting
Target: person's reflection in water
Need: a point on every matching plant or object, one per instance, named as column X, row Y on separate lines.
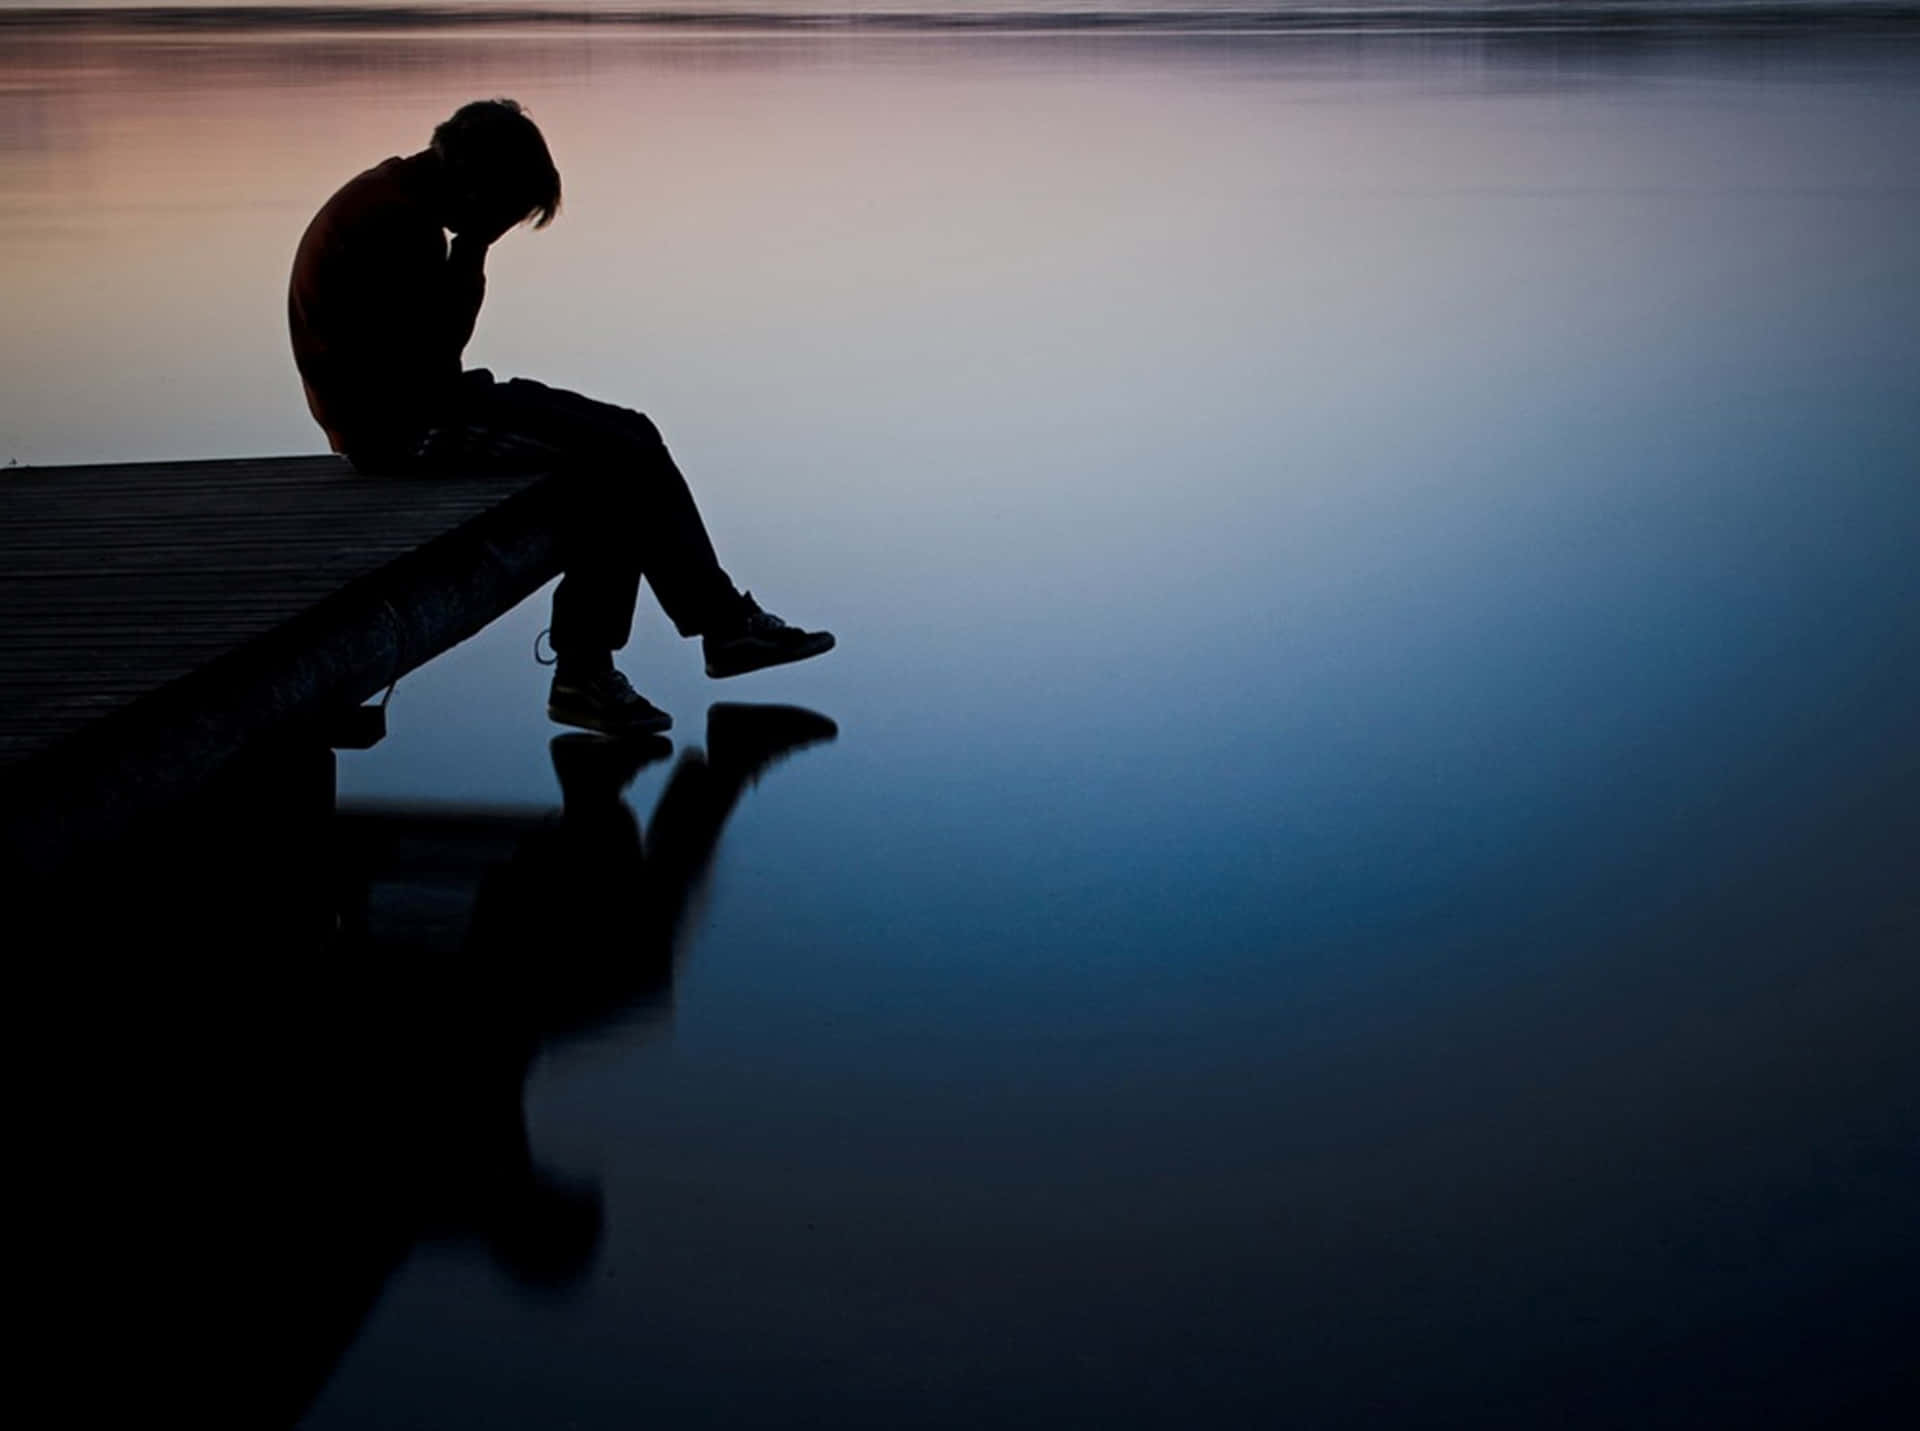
column 604, row 904
column 579, row 931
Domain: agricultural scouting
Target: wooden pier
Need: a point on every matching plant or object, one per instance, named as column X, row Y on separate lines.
column 162, row 620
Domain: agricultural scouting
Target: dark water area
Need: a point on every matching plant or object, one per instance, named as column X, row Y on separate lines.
column 1367, row 870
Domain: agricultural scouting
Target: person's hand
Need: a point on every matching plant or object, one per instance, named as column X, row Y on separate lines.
column 467, row 250
column 483, row 224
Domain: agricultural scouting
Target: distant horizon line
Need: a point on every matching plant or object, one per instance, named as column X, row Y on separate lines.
column 1150, row 15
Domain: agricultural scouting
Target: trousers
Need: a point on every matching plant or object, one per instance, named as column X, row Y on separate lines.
column 627, row 512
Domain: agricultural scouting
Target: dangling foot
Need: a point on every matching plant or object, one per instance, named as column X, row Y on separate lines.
column 606, row 702
column 759, row 639
column 743, row 740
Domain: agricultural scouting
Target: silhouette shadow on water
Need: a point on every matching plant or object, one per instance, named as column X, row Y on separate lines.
column 280, row 1100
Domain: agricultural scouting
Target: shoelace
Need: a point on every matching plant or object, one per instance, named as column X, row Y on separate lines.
column 758, row 620
column 615, row 686
column 608, row 687
column 610, row 684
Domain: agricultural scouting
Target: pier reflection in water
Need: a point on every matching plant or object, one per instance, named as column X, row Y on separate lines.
column 326, row 1065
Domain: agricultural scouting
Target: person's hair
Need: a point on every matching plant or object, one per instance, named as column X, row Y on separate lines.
column 492, row 144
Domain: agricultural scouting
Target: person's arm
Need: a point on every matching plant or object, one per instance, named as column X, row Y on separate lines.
column 466, row 287
column 396, row 307
column 423, row 304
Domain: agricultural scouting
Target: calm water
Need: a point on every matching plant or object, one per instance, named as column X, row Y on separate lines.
column 1368, row 875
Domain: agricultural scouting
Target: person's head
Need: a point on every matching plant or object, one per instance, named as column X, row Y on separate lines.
column 497, row 168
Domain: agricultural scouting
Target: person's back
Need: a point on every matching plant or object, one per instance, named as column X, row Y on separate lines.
column 379, row 312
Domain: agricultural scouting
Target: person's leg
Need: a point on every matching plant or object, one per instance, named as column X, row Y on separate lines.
column 630, row 514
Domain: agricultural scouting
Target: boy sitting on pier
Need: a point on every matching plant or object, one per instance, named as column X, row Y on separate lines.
column 381, row 306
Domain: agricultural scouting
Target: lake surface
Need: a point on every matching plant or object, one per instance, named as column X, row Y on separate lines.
column 1368, row 872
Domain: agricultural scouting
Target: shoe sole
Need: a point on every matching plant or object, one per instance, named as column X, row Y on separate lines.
column 585, row 720
column 755, row 662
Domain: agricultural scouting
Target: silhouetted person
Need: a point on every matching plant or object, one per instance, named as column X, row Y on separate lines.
column 381, row 306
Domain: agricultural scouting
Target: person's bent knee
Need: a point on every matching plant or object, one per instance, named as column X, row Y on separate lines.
column 642, row 441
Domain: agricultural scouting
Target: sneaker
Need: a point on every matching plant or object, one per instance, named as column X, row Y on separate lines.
column 761, row 639
column 607, row 703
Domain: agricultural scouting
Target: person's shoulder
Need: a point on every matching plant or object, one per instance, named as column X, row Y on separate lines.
column 380, row 207
column 383, row 187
